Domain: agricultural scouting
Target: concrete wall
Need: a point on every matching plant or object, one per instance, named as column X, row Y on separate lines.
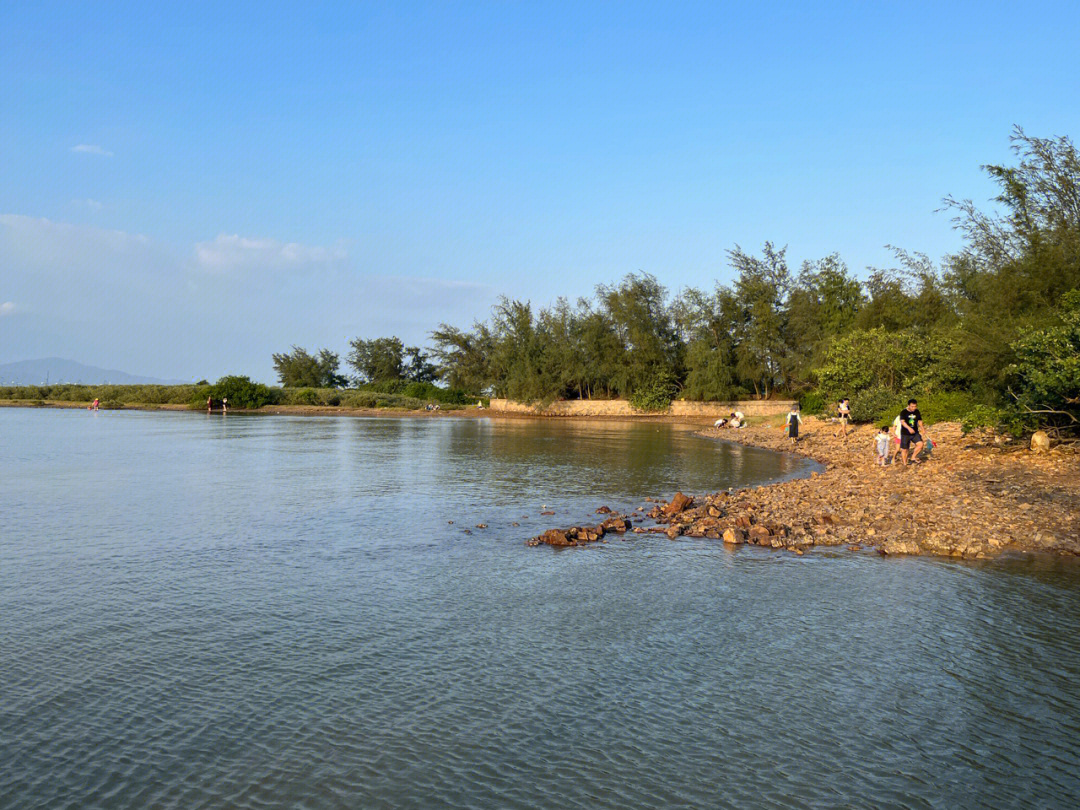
column 620, row 407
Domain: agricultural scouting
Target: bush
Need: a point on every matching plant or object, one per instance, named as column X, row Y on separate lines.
column 1009, row 420
column 110, row 405
column 878, row 405
column 656, row 394
column 946, row 406
column 358, row 399
column 812, row 403
column 301, row 396
column 241, row 392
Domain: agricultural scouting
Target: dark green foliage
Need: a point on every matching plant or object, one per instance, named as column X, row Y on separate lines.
column 656, row 393
column 876, row 404
column 1045, row 377
column 298, row 369
column 812, row 403
column 241, row 393
column 387, row 359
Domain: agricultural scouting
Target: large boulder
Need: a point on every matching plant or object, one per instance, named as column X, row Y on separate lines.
column 1040, row 442
column 678, row 504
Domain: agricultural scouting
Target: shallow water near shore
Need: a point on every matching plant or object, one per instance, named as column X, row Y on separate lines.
column 264, row 612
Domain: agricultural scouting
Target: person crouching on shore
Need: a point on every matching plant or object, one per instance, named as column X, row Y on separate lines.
column 881, row 445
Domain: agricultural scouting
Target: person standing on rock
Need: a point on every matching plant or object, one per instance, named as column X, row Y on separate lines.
column 793, row 422
column 843, row 413
column 911, row 440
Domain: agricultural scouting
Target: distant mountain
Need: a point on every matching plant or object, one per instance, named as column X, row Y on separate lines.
column 57, row 370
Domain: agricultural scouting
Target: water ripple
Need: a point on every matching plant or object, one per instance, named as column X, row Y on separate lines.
column 277, row 635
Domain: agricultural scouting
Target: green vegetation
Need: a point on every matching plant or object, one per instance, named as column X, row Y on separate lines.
column 298, row 369
column 990, row 337
column 994, row 331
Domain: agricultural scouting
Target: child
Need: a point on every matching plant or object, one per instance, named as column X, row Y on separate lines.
column 843, row 415
column 793, row 422
column 881, row 445
column 894, row 442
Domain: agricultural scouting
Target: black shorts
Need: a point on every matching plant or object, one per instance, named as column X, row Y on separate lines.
column 908, row 439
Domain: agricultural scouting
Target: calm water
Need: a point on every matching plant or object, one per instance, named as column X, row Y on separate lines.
column 275, row 613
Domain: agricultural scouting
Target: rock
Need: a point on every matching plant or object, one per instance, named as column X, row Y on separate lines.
column 1040, row 442
column 603, row 510
column 898, row 546
column 734, row 536
column 547, row 513
column 759, row 535
column 481, row 525
column 673, row 532
column 678, row 504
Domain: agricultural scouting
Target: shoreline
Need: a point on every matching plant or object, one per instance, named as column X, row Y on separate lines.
column 468, row 412
column 968, row 499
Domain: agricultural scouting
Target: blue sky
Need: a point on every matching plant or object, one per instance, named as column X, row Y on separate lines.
column 186, row 189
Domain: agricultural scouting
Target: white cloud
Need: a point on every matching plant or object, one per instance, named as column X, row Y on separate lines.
column 93, row 205
column 64, row 247
column 8, row 308
column 91, row 149
column 234, row 252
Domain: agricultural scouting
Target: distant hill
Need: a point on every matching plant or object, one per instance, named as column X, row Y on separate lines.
column 57, row 370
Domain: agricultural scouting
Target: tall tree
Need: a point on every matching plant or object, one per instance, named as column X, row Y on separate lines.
column 377, row 360
column 298, row 369
column 761, row 289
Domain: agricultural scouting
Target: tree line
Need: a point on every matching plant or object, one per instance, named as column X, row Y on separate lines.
column 992, row 332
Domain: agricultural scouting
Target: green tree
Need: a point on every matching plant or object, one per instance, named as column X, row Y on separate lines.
column 1018, row 263
column 823, row 303
column 707, row 324
column 298, row 369
column 761, row 290
column 463, row 358
column 650, row 350
column 1046, row 375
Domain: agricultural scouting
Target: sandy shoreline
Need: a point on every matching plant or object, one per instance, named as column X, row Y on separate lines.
column 969, row 499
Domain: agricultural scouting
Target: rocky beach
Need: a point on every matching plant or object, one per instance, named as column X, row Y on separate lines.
column 972, row 497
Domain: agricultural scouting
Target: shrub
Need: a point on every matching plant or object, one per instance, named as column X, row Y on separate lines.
column 812, row 403
column 877, row 404
column 301, row 396
column 358, row 399
column 1009, row 420
column 656, row 394
column 241, row 392
column 946, row 406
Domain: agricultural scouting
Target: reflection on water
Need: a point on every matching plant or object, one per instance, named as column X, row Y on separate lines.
column 273, row 612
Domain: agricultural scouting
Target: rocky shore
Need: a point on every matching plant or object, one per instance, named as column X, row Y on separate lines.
column 972, row 498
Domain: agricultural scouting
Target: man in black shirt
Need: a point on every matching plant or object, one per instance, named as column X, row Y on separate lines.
column 911, row 432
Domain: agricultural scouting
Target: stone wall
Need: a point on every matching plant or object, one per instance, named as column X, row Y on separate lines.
column 620, row 407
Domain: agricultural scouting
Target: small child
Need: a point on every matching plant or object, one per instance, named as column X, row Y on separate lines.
column 793, row 422
column 881, row 445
